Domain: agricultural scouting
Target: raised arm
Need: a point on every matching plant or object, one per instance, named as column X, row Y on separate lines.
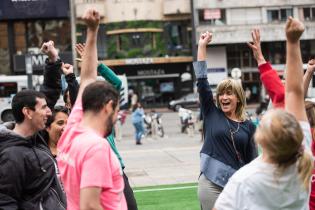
column 73, row 85
column 109, row 76
column 89, row 62
column 52, row 75
column 308, row 75
column 200, row 68
column 102, row 69
column 294, row 100
column 269, row 77
column 204, row 40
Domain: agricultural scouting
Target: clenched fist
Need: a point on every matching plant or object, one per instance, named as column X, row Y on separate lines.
column 67, row 68
column 311, row 65
column 49, row 49
column 294, row 30
column 205, row 38
column 92, row 19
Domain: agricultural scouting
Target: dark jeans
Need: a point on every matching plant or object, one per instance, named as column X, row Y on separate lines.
column 130, row 198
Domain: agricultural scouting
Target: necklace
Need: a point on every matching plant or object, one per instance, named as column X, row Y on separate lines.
column 230, row 128
column 232, row 132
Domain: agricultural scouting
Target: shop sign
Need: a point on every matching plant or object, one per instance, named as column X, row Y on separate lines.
column 136, row 61
column 31, row 9
column 152, row 72
column 38, row 61
column 211, row 14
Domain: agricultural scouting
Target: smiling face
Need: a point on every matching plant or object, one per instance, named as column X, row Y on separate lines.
column 231, row 99
column 57, row 126
column 228, row 102
column 40, row 114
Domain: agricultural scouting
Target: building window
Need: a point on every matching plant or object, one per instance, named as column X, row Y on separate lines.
column 135, row 40
column 4, row 50
column 308, row 13
column 212, row 16
column 19, row 37
column 307, row 50
column 240, row 56
column 41, row 31
column 177, row 37
column 276, row 15
column 274, row 52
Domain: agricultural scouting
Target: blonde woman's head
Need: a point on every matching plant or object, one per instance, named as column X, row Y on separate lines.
column 230, row 98
column 280, row 137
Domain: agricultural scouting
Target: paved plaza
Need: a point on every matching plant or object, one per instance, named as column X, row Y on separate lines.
column 172, row 159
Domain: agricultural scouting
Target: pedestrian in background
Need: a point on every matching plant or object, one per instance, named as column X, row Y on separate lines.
column 137, row 121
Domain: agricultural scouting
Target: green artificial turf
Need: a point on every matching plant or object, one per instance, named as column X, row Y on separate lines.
column 153, row 198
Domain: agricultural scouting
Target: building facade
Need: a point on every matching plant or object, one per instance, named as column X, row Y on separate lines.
column 231, row 23
column 147, row 40
column 25, row 25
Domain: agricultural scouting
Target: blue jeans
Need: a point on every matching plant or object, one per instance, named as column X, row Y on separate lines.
column 139, row 131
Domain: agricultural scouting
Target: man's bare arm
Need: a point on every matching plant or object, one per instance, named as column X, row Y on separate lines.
column 90, row 198
column 89, row 62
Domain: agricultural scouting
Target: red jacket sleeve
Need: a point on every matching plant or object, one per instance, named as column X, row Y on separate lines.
column 273, row 84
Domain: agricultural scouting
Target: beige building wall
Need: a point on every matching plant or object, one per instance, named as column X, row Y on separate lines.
column 248, row 3
column 129, row 10
column 242, row 16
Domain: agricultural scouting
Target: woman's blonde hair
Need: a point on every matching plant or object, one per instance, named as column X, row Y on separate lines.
column 236, row 88
column 281, row 136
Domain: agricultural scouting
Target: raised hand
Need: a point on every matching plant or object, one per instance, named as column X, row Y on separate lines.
column 80, row 49
column 67, row 68
column 294, row 30
column 256, row 47
column 92, row 19
column 49, row 49
column 205, row 39
column 311, row 65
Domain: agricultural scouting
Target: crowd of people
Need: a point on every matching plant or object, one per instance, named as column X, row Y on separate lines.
column 65, row 157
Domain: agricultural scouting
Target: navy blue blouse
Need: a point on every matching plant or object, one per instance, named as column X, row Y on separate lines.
column 217, row 142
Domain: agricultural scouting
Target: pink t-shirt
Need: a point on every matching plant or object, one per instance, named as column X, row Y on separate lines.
column 85, row 159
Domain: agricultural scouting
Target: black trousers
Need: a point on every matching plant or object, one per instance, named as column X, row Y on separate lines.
column 130, row 198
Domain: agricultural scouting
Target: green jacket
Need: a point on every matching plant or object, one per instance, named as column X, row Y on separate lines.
column 112, row 78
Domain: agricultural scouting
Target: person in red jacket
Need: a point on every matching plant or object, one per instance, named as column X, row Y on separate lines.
column 275, row 89
column 269, row 77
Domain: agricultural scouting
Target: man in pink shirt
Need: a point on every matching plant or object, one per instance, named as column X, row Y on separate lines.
column 90, row 171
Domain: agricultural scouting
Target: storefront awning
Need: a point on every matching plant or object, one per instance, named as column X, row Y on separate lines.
column 152, row 76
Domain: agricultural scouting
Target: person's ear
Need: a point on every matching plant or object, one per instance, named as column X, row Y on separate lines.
column 28, row 113
column 109, row 106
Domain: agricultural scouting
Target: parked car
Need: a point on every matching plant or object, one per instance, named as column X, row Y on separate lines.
column 190, row 100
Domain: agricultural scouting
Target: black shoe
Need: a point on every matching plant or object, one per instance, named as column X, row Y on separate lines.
column 138, row 143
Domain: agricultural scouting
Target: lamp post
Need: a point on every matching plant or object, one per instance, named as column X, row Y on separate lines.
column 29, row 70
column 193, row 30
column 73, row 34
